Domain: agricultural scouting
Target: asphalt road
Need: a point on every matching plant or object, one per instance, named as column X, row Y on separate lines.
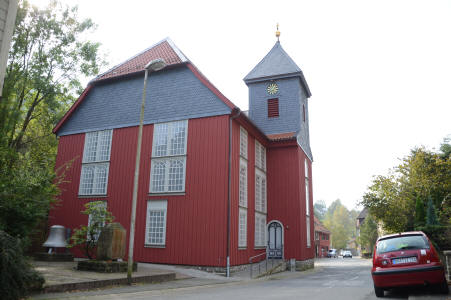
column 334, row 279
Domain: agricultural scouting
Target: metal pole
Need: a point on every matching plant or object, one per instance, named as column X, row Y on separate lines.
column 135, row 186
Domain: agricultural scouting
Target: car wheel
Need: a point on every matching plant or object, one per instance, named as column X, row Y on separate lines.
column 443, row 288
column 378, row 291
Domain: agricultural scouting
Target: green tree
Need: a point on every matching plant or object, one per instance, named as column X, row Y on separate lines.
column 431, row 216
column 368, row 233
column 422, row 174
column 339, row 221
column 320, row 209
column 47, row 57
column 420, row 214
column 86, row 237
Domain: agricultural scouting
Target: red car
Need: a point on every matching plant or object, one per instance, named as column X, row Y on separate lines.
column 406, row 259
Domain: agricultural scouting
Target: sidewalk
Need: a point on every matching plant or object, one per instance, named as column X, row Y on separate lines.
column 63, row 276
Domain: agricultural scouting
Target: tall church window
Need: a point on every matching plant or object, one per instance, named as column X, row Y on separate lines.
column 96, row 162
column 169, row 157
column 242, row 214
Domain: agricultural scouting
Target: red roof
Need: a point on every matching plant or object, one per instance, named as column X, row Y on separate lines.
column 281, row 136
column 164, row 49
column 319, row 226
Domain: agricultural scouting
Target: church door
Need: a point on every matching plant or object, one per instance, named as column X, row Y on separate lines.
column 275, row 238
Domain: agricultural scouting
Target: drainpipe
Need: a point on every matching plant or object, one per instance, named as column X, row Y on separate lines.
column 229, row 190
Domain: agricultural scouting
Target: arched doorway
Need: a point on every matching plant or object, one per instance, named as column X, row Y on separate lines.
column 275, row 240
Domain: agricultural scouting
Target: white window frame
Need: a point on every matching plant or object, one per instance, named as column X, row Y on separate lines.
column 242, row 228
column 260, row 230
column 167, row 157
column 261, row 191
column 94, row 141
column 260, row 155
column 156, row 206
column 243, row 142
column 243, row 183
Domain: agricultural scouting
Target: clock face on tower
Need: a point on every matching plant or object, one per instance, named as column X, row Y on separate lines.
column 272, row 88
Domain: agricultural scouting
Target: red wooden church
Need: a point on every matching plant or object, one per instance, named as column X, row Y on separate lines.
column 215, row 182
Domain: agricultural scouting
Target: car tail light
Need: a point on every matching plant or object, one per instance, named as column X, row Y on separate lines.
column 433, row 256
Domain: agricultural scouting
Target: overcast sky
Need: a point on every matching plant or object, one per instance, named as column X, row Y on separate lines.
column 379, row 71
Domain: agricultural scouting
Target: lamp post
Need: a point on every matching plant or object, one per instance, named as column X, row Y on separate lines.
column 154, row 65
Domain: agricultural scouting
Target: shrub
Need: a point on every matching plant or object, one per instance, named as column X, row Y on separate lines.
column 85, row 237
column 17, row 276
column 439, row 235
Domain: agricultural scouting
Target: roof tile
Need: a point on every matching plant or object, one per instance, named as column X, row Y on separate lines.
column 164, row 49
column 281, row 136
column 319, row 226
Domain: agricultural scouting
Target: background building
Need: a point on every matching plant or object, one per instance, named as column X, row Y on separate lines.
column 322, row 239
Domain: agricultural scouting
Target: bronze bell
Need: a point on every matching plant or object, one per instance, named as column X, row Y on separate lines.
column 57, row 238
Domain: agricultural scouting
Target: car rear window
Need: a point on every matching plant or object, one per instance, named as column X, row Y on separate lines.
column 406, row 242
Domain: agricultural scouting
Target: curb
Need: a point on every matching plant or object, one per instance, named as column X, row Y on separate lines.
column 86, row 285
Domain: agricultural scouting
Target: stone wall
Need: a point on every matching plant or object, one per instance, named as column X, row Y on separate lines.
column 302, row 265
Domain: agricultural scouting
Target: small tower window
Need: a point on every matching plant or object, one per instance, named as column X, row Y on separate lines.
column 273, row 108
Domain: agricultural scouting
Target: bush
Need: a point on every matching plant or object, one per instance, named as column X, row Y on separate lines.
column 86, row 237
column 17, row 276
column 439, row 235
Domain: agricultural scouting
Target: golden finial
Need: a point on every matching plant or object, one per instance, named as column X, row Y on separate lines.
column 277, row 32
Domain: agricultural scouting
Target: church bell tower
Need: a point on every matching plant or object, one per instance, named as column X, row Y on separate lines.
column 278, row 97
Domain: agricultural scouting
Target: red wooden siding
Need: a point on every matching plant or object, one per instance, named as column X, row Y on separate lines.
column 196, row 221
column 286, row 199
column 196, row 228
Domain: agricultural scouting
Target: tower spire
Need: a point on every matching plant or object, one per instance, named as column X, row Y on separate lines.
column 277, row 32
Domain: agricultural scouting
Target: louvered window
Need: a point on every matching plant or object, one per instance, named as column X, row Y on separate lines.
column 273, row 108
column 95, row 167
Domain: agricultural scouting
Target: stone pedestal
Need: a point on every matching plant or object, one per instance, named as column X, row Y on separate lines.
column 111, row 243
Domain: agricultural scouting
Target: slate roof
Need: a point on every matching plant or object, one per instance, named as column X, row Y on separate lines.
column 172, row 55
column 277, row 63
column 164, row 49
column 319, row 226
column 363, row 214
